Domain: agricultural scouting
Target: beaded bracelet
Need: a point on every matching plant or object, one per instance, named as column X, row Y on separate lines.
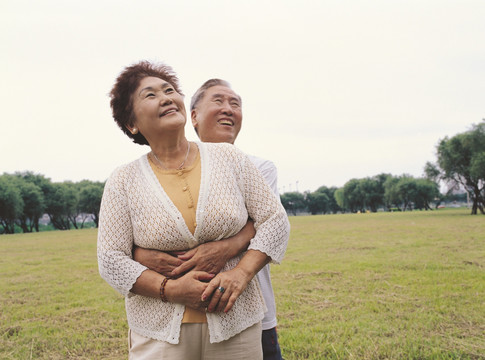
column 162, row 290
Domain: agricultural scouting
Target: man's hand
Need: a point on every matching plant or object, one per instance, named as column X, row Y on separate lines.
column 159, row 261
column 209, row 257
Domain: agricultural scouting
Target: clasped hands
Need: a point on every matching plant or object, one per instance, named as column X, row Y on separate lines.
column 196, row 277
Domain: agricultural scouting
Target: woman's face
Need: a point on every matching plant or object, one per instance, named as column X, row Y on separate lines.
column 158, row 108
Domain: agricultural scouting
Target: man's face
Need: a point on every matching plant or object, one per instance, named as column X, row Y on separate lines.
column 218, row 115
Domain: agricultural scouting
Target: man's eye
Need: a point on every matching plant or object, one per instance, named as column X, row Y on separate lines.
column 169, row 90
column 235, row 104
column 219, row 101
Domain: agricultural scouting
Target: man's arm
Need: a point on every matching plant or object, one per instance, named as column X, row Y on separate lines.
column 156, row 260
column 209, row 257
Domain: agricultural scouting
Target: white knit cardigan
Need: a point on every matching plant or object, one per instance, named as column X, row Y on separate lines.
column 136, row 210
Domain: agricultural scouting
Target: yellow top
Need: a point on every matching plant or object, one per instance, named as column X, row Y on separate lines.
column 182, row 187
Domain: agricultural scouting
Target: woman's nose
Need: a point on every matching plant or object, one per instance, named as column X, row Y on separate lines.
column 165, row 99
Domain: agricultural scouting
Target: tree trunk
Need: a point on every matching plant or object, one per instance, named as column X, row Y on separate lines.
column 474, row 206
column 60, row 224
column 8, row 228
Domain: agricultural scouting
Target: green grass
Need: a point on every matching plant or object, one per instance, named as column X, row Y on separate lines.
column 357, row 286
column 54, row 304
column 383, row 286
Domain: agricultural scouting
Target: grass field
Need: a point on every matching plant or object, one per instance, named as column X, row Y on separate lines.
column 362, row 286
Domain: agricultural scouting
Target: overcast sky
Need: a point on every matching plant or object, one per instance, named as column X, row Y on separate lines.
column 332, row 90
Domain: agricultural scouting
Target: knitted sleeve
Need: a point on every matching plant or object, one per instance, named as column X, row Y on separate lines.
column 269, row 216
column 268, row 170
column 115, row 237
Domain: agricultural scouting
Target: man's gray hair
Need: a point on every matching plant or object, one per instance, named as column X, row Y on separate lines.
column 199, row 94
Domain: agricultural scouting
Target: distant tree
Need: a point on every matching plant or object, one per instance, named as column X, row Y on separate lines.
column 407, row 191
column 332, row 207
column 293, row 202
column 433, row 174
column 426, row 192
column 90, row 199
column 317, row 202
column 400, row 192
column 392, row 197
column 354, row 195
column 11, row 203
column 45, row 185
column 73, row 210
column 339, row 197
column 381, row 180
column 373, row 193
column 363, row 194
column 34, row 205
column 61, row 204
column 461, row 160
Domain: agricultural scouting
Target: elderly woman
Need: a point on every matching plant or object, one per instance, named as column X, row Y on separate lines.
column 177, row 196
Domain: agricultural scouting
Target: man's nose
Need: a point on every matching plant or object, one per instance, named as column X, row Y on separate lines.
column 226, row 108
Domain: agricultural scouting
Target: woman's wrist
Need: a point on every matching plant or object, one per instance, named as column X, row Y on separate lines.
column 170, row 290
column 163, row 285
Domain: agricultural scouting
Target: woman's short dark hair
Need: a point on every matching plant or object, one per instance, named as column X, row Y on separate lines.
column 127, row 82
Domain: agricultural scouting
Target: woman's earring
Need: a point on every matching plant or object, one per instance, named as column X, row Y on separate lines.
column 134, row 131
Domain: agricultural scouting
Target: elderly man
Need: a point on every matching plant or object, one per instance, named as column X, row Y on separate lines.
column 217, row 116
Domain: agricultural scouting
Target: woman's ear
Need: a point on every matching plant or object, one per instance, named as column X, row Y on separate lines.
column 133, row 129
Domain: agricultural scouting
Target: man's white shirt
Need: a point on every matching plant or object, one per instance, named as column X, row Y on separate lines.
column 270, row 174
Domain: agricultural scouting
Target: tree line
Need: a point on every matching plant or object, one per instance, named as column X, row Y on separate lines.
column 383, row 191
column 460, row 164
column 26, row 197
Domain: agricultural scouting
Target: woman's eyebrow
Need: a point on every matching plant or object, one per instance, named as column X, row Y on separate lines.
column 148, row 88
column 151, row 88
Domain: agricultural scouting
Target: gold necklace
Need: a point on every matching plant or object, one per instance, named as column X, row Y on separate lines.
column 180, row 166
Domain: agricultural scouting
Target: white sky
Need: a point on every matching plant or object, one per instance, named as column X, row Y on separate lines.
column 332, row 90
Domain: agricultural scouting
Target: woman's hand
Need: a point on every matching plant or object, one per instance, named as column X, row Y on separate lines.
column 187, row 289
column 224, row 289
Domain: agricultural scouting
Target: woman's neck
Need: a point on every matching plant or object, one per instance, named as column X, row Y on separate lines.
column 171, row 154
